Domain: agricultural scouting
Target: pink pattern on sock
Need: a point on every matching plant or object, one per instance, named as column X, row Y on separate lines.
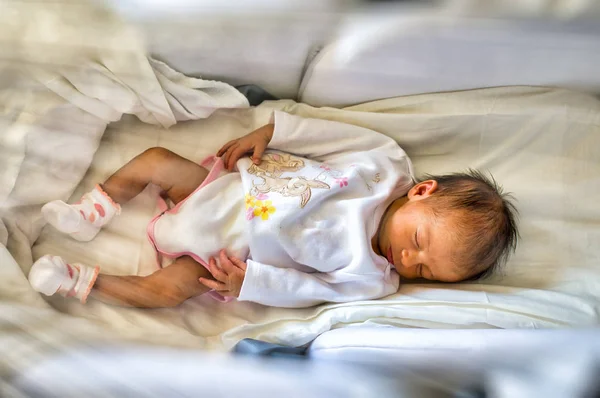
column 82, row 214
column 70, row 271
column 99, row 209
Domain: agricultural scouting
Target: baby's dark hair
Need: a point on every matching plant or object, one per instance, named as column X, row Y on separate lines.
column 488, row 219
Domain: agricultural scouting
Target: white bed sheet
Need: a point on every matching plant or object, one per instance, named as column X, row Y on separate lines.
column 435, row 349
column 62, row 81
column 541, row 144
column 503, row 363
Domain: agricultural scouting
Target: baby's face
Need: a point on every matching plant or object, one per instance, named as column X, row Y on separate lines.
column 418, row 245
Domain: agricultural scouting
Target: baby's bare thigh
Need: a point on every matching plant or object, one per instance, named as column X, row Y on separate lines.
column 177, row 176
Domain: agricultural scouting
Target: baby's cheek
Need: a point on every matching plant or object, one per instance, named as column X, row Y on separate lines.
column 398, row 241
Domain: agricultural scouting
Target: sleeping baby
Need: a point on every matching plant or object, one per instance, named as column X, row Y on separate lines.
column 320, row 211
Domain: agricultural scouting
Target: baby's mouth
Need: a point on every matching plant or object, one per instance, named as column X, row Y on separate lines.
column 390, row 256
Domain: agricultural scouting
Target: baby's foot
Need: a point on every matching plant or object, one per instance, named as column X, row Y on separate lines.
column 82, row 220
column 51, row 275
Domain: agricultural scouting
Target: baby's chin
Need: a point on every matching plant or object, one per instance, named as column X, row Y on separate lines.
column 402, row 272
column 406, row 275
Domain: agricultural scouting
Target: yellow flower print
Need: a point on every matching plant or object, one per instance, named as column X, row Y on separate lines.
column 262, row 209
column 250, row 200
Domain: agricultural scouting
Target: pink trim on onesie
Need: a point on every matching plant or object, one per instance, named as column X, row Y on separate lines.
column 164, row 208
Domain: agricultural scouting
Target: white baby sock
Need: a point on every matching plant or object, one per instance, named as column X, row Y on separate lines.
column 84, row 219
column 51, row 274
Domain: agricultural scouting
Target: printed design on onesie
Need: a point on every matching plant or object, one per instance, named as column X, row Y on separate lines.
column 270, row 169
column 258, row 206
column 376, row 179
column 337, row 175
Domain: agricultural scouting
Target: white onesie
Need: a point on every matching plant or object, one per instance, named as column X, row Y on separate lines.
column 303, row 219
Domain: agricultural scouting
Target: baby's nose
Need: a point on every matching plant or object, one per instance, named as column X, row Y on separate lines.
column 408, row 258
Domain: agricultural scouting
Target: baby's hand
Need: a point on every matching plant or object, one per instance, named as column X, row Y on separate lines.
column 256, row 141
column 229, row 277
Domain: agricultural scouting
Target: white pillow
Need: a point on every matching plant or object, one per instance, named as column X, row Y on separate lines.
column 380, row 57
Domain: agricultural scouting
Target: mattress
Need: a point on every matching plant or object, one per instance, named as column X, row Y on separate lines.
column 541, row 144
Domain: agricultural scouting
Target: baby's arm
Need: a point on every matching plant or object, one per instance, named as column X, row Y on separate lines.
column 288, row 287
column 317, row 139
column 324, row 140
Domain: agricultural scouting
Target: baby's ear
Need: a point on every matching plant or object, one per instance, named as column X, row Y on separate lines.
column 422, row 190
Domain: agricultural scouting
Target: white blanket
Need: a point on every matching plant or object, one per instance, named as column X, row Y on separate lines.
column 67, row 70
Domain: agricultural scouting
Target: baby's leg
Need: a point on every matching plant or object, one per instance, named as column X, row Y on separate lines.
column 177, row 176
column 166, row 287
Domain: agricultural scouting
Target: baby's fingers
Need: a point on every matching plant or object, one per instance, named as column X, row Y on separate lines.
column 228, row 153
column 225, row 147
column 225, row 262
column 259, row 149
column 236, row 154
column 214, row 285
column 216, row 272
column 238, row 263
